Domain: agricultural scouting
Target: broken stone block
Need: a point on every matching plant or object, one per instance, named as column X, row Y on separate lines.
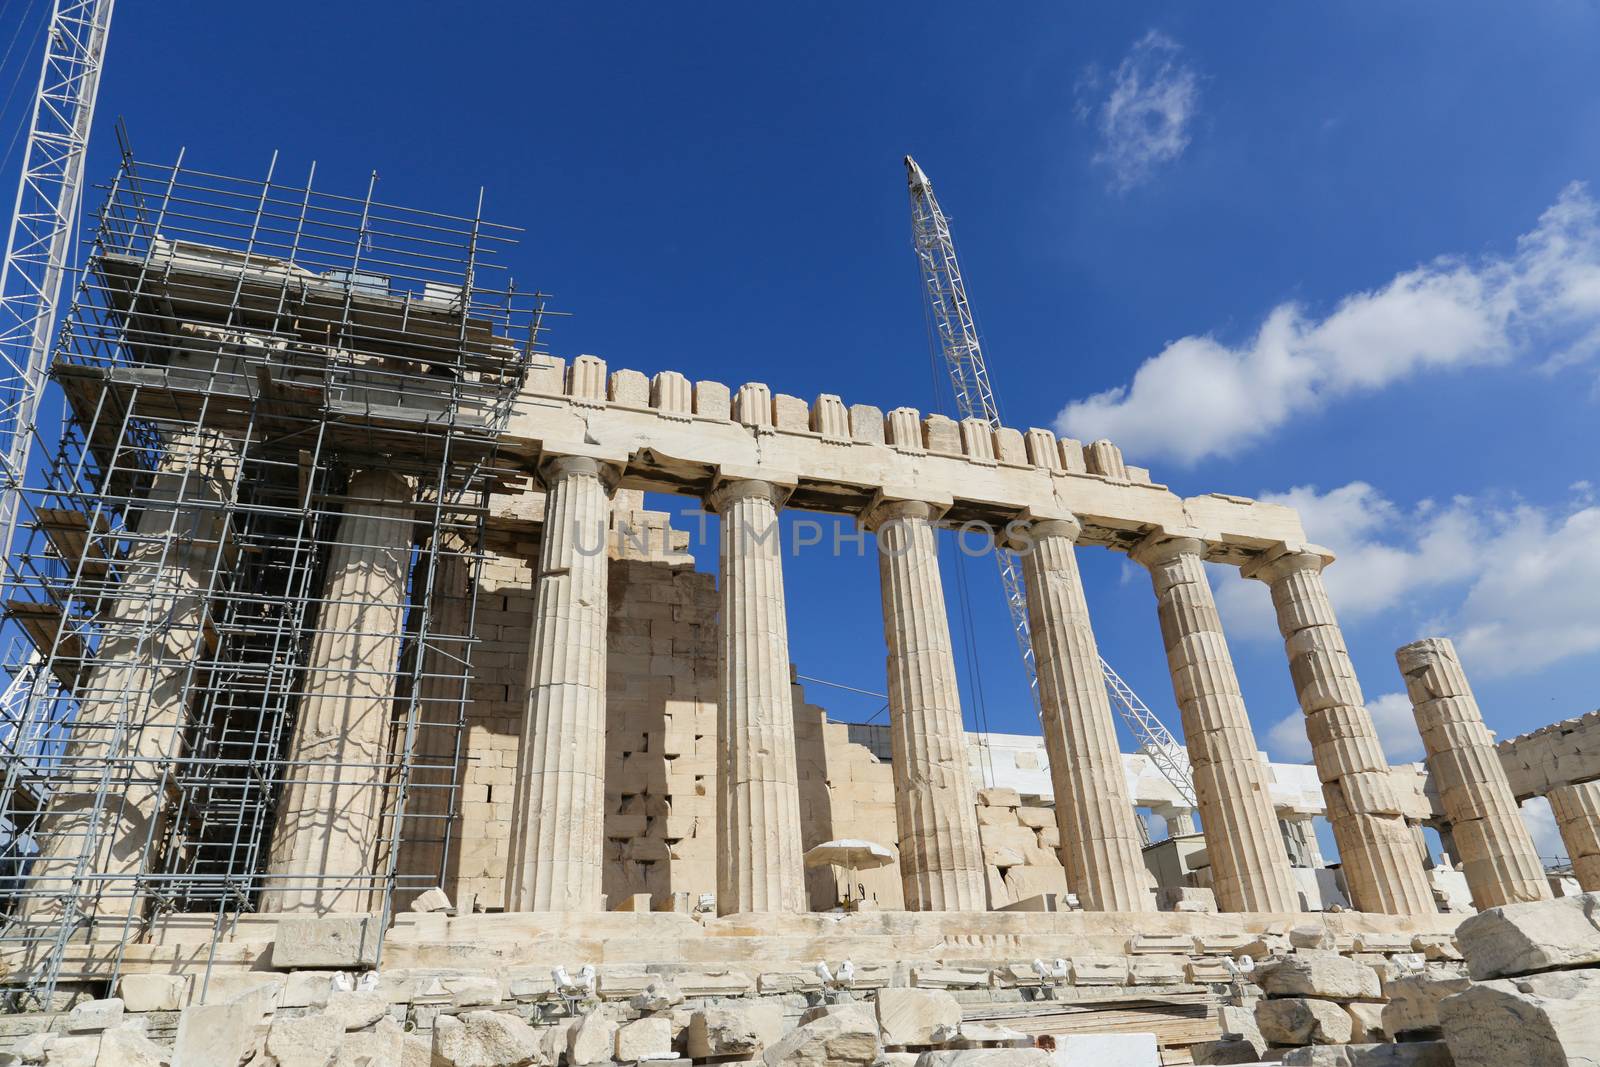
column 734, row 1029
column 1155, row 970
column 1437, row 946
column 1545, row 1019
column 92, row 1016
column 219, row 1035
column 1099, row 970
column 591, row 1041
column 1227, row 1050
column 644, row 1037
column 1411, row 1054
column 912, row 1016
column 843, row 1037
column 949, row 978
column 417, row 1051
column 1317, row 975
column 382, row 1046
column 1235, row 1020
column 473, row 990
column 1413, row 1006
column 1310, row 935
column 997, row 797
column 307, row 989
column 431, row 900
column 349, row 941
column 483, row 1039
column 75, row 1050
column 1366, row 1020
column 1524, row 938
column 658, row 995
column 357, row 1010
column 153, row 992
column 308, row 1041
column 1303, row 1021
column 125, row 1045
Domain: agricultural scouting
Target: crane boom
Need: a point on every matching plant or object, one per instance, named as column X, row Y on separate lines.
column 946, row 295
column 49, row 190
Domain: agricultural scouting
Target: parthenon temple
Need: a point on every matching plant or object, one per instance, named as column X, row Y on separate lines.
column 361, row 653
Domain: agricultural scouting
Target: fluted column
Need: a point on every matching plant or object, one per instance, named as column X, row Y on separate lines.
column 760, row 866
column 1100, row 844
column 441, row 695
column 1497, row 853
column 941, row 860
column 1250, row 868
column 558, row 836
column 1376, row 850
column 1577, row 812
column 324, row 850
column 132, row 701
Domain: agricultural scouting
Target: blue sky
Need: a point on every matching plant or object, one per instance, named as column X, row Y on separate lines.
column 1347, row 257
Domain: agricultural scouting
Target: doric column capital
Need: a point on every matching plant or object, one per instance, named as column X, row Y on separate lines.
column 1025, row 532
column 554, row 468
column 883, row 510
column 1163, row 547
column 729, row 490
column 1282, row 560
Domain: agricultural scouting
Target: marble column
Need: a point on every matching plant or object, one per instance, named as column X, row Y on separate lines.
column 1100, row 844
column 324, row 851
column 760, row 863
column 1250, row 868
column 441, row 690
column 1376, row 850
column 132, row 700
column 558, row 831
column 1497, row 853
column 941, row 859
column 1577, row 812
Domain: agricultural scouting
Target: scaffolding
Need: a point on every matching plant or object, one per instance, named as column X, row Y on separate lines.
column 243, row 361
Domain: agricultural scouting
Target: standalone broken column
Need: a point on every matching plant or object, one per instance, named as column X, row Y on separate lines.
column 1249, row 866
column 759, row 847
column 941, row 860
column 1497, row 853
column 1100, row 844
column 324, row 853
column 1376, row 850
column 558, row 832
column 1577, row 812
column 132, row 703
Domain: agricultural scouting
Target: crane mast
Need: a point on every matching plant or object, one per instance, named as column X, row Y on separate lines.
column 49, row 190
column 951, row 313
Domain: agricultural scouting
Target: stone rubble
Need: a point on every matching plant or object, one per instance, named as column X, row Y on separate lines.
column 1533, row 1000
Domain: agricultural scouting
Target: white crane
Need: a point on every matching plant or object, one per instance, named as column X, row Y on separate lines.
column 951, row 313
column 49, row 192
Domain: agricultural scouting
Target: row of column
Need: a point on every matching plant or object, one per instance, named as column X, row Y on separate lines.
column 557, row 848
column 941, row 855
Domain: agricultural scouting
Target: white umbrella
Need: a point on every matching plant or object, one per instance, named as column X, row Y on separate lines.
column 853, row 854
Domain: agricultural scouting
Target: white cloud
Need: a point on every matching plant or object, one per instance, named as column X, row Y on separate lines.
column 1391, row 716
column 1144, row 118
column 1541, row 824
column 1513, row 585
column 1200, row 397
